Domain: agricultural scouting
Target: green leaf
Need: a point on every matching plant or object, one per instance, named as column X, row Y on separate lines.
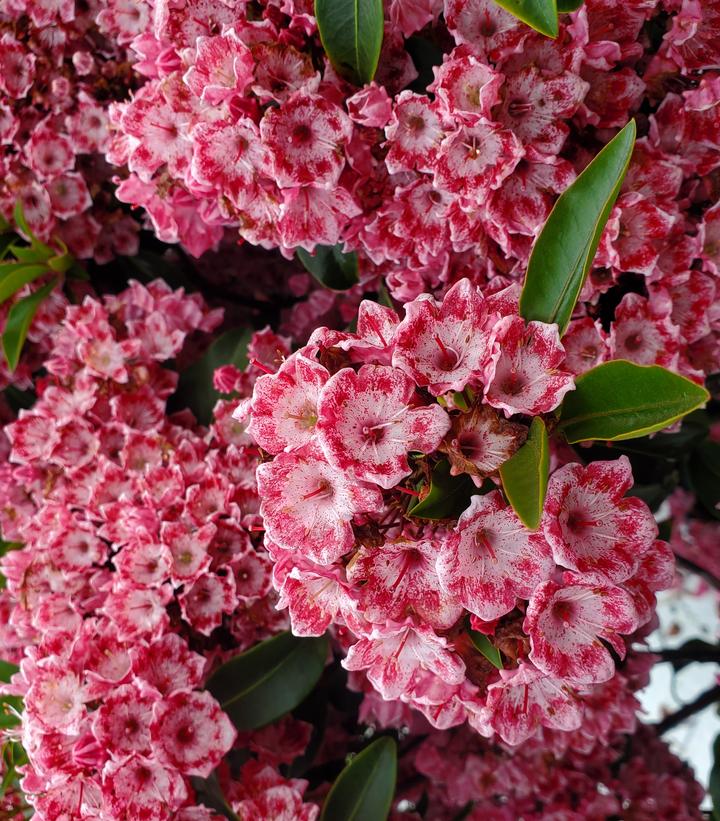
column 565, row 6
column 483, row 645
column 714, row 782
column 208, row 792
column 331, row 267
column 525, row 475
column 351, row 32
column 364, row 790
column 704, row 470
column 22, row 224
column 621, row 400
column 14, row 275
column 262, row 684
column 195, row 387
column 7, row 670
column 448, row 495
column 564, row 251
column 538, row 14
column 18, row 323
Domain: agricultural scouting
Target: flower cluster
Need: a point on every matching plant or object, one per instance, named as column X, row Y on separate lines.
column 57, row 76
column 637, row 778
column 243, row 123
column 355, row 422
column 137, row 572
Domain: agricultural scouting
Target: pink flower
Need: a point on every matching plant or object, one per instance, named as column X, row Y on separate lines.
column 308, row 505
column 395, row 655
column 474, row 160
column 528, row 378
column 367, row 423
column 414, row 133
column 191, row 732
column 55, row 698
column 122, row 722
column 138, row 788
column 445, row 346
column 491, row 558
column 535, row 105
column 526, row 699
column 305, row 137
column 590, row 524
column 565, row 623
column 467, row 88
column 370, row 106
column 49, row 154
column 398, row 580
column 223, row 67
column 17, row 67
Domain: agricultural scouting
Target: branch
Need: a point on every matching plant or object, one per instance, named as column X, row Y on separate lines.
column 711, row 654
column 701, row 702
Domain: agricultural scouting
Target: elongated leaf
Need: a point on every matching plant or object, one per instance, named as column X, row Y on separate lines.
column 351, row 32
column 538, row 14
column 448, row 495
column 564, row 251
column 331, row 267
column 364, row 790
column 621, row 400
column 487, row 648
column 22, row 224
column 195, row 387
column 525, row 476
column 261, row 685
column 13, row 276
column 18, row 323
column 564, row 6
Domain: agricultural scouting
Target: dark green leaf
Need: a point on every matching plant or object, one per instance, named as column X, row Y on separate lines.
column 22, row 224
column 483, row 645
column 714, row 782
column 261, row 685
column 525, row 475
column 13, row 276
column 538, row 14
column 621, row 400
column 564, row 251
column 704, row 470
column 195, row 387
column 18, row 323
column 564, row 6
column 331, row 267
column 351, row 32
column 448, row 495
column 7, row 670
column 208, row 792
column 364, row 790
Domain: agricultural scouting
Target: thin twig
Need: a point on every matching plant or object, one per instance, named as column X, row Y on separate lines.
column 701, row 702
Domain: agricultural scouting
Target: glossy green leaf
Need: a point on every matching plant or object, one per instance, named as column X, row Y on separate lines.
column 538, row 14
column 483, row 645
column 351, row 32
column 704, row 470
column 331, row 267
column 15, row 275
column 364, row 790
column 22, row 224
column 564, row 6
column 621, row 400
column 525, row 475
column 18, row 323
column 564, row 251
column 266, row 682
column 195, row 387
column 447, row 497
